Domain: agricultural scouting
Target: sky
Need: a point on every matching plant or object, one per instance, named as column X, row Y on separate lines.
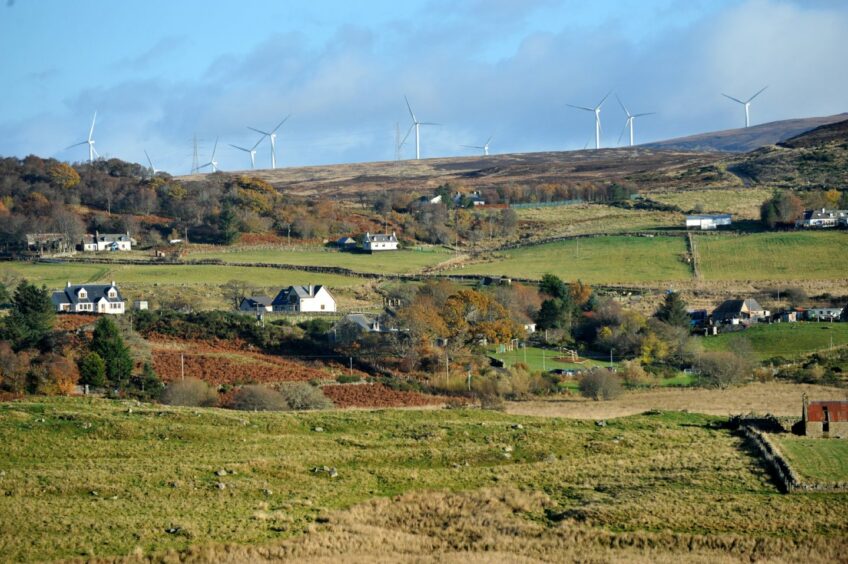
column 160, row 72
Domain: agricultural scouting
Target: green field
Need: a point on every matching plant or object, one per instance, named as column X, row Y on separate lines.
column 815, row 460
column 788, row 340
column 593, row 218
column 797, row 255
column 743, row 203
column 85, row 477
column 394, row 262
column 599, row 260
column 538, row 359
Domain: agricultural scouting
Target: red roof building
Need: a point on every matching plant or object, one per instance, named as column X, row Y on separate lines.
column 828, row 418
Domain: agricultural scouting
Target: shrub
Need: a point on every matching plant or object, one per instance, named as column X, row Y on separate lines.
column 633, row 374
column 92, row 370
column 256, row 397
column 600, row 383
column 190, row 392
column 345, row 379
column 723, row 369
column 299, row 395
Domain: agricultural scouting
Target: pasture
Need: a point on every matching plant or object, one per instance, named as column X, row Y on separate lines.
column 596, row 260
column 743, row 203
column 592, row 218
column 788, row 340
column 815, row 460
column 87, row 478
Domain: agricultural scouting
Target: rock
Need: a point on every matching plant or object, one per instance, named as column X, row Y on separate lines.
column 601, row 423
column 173, row 530
column 518, row 426
column 267, row 492
column 93, row 493
column 333, row 473
column 114, row 497
column 221, row 472
column 318, row 429
column 508, row 449
column 221, row 486
column 506, row 454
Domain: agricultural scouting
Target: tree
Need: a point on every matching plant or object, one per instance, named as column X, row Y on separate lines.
column 723, row 369
column 108, row 343
column 553, row 286
column 92, row 370
column 783, row 209
column 63, row 175
column 190, row 392
column 600, row 384
column 673, row 311
column 31, row 318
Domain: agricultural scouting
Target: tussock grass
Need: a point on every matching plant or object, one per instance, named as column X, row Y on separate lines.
column 97, row 478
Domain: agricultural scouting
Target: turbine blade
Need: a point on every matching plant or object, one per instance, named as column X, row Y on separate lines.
column 76, row 145
column 581, row 108
column 148, row 158
column 489, row 140
column 281, row 123
column 644, row 114
column 734, row 99
column 214, row 148
column 604, row 99
column 472, row 147
column 428, row 123
column 623, row 129
column 91, row 131
column 411, row 127
column 623, row 107
column 408, row 107
column 239, row 148
column 257, row 143
column 265, row 133
column 757, row 94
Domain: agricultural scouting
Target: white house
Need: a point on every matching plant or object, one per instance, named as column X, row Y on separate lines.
column 824, row 313
column 475, row 198
column 304, row 299
column 707, row 221
column 378, row 242
column 823, row 218
column 107, row 242
column 89, row 298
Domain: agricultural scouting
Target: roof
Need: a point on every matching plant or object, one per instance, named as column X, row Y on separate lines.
column 379, row 238
column 366, row 322
column 257, row 300
column 346, row 241
column 837, row 410
column 296, row 293
column 106, row 237
column 824, row 213
column 709, row 216
column 94, row 292
column 734, row 307
column 33, row 238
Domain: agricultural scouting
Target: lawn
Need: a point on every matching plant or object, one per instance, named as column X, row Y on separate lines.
column 815, row 460
column 743, row 203
column 797, row 255
column 86, row 477
column 539, row 359
column 393, row 262
column 787, row 340
column 596, row 260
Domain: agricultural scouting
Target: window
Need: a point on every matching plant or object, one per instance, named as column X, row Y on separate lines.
column 322, row 306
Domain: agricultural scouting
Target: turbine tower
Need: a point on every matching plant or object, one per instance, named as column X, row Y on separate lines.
column 747, row 104
column 597, row 111
column 272, row 136
column 417, row 125
column 153, row 169
column 484, row 147
column 212, row 162
column 630, row 119
column 90, row 142
column 251, row 151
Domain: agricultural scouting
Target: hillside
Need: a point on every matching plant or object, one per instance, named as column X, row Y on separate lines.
column 747, row 139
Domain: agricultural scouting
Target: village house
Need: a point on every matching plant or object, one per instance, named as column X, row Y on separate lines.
column 734, row 312
column 346, row 243
column 475, row 198
column 255, row 304
column 822, row 218
column 825, row 418
column 89, row 298
column 380, row 243
column 107, row 242
column 706, row 222
column 824, row 313
column 47, row 242
column 304, row 299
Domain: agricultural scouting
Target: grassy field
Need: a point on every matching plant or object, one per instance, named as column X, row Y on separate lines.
column 538, row 359
column 399, row 262
column 788, row 340
column 743, row 203
column 601, row 260
column 797, row 255
column 815, row 460
column 95, row 477
column 592, row 218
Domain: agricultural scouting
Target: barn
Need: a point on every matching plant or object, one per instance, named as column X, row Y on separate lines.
column 827, row 418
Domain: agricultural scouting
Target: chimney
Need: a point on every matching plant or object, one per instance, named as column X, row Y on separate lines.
column 69, row 284
column 113, row 283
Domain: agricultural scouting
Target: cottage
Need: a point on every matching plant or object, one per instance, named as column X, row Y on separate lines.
column 822, row 218
column 706, row 222
column 474, row 199
column 89, row 298
column 378, row 242
column 424, row 200
column 107, row 242
column 346, row 243
column 304, row 299
column 734, row 312
column 824, row 313
column 255, row 304
column 825, row 418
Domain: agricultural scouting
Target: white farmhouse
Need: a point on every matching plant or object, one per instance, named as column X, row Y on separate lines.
column 823, row 218
column 304, row 299
column 380, row 242
column 89, row 298
column 107, row 242
column 705, row 222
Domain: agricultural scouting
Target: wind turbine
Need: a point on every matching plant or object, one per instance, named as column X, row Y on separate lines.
column 417, row 125
column 747, row 104
column 90, row 142
column 153, row 169
column 251, row 151
column 630, row 119
column 212, row 162
column 484, row 147
column 272, row 135
column 597, row 112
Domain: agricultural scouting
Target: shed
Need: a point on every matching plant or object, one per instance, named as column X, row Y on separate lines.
column 827, row 418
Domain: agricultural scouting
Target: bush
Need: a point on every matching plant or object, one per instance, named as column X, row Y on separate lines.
column 600, row 383
column 345, row 379
column 633, row 374
column 92, row 370
column 299, row 395
column 723, row 369
column 256, row 397
column 190, row 392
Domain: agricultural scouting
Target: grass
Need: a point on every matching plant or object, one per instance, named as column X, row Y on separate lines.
column 743, row 203
column 395, row 262
column 538, row 359
column 788, row 340
column 797, row 255
column 87, row 477
column 601, row 260
column 815, row 460
column 593, row 218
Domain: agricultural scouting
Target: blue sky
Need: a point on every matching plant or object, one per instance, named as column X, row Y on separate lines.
column 159, row 72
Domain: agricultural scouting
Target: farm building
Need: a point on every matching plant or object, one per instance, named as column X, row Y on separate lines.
column 825, row 418
column 51, row 242
column 822, row 218
column 734, row 312
column 706, row 222
column 379, row 242
column 310, row 299
column 89, row 298
column 106, row 242
column 255, row 304
column 346, row 243
column 824, row 313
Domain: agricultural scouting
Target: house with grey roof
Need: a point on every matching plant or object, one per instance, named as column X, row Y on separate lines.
column 822, row 218
column 824, row 313
column 734, row 312
column 304, row 299
column 378, row 243
column 255, row 304
column 89, row 298
column 107, row 242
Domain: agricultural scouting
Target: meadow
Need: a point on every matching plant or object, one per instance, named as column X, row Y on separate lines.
column 815, row 460
column 87, row 477
column 788, row 340
column 592, row 218
column 743, row 203
column 796, row 255
column 596, row 260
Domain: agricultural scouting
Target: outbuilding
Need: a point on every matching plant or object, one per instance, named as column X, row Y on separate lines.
column 706, row 222
column 827, row 418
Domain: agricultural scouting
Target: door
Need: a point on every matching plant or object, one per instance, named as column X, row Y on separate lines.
column 825, row 420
